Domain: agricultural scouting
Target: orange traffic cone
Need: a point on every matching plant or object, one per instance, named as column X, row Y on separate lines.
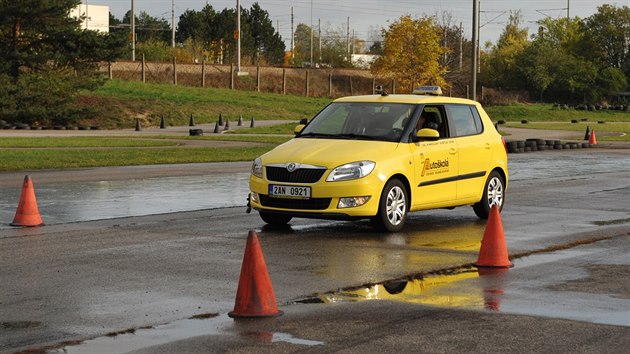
column 27, row 213
column 493, row 252
column 592, row 139
column 255, row 296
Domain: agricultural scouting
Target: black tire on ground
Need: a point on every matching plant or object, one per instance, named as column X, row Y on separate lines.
column 274, row 219
column 392, row 207
column 493, row 193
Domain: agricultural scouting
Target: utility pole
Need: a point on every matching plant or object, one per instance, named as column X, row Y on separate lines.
column 568, row 1
column 237, row 34
column 461, row 46
column 87, row 17
column 311, row 61
column 473, row 65
column 348, row 40
column 292, row 35
column 173, row 23
column 133, row 31
column 319, row 31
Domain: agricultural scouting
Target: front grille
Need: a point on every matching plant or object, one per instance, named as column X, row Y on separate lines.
column 301, row 175
column 286, row 203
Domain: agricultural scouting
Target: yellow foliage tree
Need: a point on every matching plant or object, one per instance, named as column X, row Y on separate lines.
column 411, row 52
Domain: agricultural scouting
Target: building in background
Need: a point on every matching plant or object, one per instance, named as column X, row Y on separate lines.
column 96, row 17
column 363, row 61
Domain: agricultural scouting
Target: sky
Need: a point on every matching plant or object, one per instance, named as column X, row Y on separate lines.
column 368, row 15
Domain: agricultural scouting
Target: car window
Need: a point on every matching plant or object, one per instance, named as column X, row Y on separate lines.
column 464, row 121
column 434, row 118
column 368, row 120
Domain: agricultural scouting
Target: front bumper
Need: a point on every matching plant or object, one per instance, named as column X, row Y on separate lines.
column 324, row 198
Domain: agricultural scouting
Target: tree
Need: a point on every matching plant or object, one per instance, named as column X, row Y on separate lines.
column 45, row 58
column 499, row 67
column 149, row 28
column 267, row 42
column 302, row 45
column 557, row 66
column 212, row 34
column 411, row 55
column 375, row 37
column 608, row 32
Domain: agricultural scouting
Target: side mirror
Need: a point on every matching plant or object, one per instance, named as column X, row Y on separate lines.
column 427, row 134
column 298, row 129
column 303, row 121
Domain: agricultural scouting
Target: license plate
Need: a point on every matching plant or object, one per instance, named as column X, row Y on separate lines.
column 289, row 191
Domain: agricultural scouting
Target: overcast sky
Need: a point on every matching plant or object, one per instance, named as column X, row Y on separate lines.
column 376, row 13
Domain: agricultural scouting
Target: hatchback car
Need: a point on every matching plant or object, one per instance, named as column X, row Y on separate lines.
column 379, row 157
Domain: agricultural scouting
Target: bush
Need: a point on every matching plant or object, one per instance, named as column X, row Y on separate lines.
column 44, row 98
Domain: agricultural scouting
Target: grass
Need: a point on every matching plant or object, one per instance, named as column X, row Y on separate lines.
column 623, row 128
column 547, row 113
column 286, row 129
column 119, row 103
column 31, row 159
column 79, row 142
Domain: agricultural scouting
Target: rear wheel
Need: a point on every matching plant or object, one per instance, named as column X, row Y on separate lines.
column 493, row 194
column 274, row 219
column 392, row 208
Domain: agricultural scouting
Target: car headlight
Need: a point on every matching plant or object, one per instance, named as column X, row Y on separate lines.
column 257, row 167
column 353, row 170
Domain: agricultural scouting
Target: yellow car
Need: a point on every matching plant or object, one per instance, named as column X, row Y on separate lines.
column 381, row 156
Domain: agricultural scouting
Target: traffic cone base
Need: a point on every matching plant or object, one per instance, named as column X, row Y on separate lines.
column 493, row 252
column 27, row 213
column 592, row 139
column 255, row 296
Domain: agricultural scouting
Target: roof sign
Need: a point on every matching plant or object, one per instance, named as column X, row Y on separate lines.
column 428, row 90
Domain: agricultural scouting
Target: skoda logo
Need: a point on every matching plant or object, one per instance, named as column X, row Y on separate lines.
column 292, row 166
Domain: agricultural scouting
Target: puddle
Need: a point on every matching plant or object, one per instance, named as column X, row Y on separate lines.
column 64, row 202
column 200, row 325
column 544, row 284
column 542, row 165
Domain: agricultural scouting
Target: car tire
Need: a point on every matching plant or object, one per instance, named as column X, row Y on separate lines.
column 392, row 207
column 274, row 219
column 493, row 193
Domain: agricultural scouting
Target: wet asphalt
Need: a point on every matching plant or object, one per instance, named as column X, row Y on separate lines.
column 566, row 225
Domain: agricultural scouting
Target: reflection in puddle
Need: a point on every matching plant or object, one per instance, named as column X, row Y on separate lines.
column 432, row 290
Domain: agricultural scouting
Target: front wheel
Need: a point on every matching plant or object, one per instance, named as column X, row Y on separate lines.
column 392, row 208
column 493, row 194
column 274, row 219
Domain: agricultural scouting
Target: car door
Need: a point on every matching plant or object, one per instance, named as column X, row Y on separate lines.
column 435, row 168
column 474, row 153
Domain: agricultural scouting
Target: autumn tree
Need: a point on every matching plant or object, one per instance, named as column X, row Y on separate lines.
column 411, row 53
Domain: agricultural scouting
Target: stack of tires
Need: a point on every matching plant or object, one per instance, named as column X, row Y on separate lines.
column 530, row 145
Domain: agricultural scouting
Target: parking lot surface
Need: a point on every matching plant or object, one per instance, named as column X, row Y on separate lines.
column 140, row 279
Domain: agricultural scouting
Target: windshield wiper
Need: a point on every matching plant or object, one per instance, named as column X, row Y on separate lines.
column 317, row 135
column 358, row 136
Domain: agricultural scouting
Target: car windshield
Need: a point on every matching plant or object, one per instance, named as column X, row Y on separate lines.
column 360, row 120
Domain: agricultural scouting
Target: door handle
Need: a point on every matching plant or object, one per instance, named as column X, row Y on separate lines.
column 452, row 151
